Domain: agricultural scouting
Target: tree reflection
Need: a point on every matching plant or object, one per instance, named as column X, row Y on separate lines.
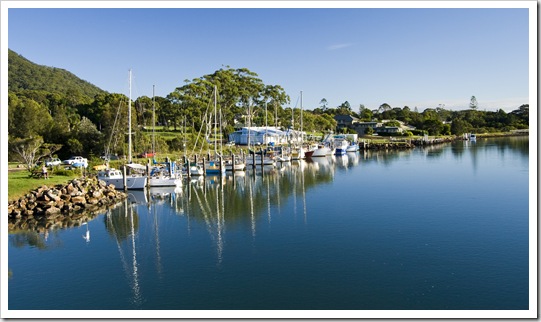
column 23, row 238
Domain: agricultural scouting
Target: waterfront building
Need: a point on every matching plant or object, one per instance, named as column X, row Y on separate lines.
column 265, row 135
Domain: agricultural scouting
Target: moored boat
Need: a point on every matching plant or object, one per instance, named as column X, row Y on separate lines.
column 352, row 147
column 160, row 177
column 322, row 151
column 116, row 178
column 340, row 146
column 196, row 170
column 238, row 166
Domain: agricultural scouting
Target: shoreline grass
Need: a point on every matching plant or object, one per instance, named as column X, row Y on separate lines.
column 20, row 183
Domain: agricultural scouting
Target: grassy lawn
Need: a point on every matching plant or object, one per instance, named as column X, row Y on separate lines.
column 19, row 182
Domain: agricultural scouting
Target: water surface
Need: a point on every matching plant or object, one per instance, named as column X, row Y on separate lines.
column 441, row 228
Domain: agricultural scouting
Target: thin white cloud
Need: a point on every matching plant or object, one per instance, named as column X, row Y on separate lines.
column 339, row 46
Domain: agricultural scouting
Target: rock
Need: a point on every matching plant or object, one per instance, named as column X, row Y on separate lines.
column 71, row 190
column 92, row 201
column 97, row 194
column 45, row 207
column 52, row 195
column 78, row 200
column 52, row 212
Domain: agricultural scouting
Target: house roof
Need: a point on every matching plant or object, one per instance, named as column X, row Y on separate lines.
column 343, row 117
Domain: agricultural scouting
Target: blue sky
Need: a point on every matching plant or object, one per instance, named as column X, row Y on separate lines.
column 419, row 57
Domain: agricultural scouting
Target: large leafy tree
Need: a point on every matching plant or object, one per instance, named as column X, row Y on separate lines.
column 239, row 92
column 28, row 118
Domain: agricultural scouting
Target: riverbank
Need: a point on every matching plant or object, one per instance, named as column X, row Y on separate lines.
column 401, row 143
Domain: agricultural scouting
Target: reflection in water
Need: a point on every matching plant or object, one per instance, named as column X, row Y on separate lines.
column 223, row 211
column 121, row 224
column 86, row 236
column 30, row 238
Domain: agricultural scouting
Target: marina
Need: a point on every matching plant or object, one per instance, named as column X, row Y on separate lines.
column 369, row 230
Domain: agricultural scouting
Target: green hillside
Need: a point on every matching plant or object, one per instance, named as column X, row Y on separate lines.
column 26, row 75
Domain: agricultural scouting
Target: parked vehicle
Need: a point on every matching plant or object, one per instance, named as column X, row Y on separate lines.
column 51, row 162
column 76, row 161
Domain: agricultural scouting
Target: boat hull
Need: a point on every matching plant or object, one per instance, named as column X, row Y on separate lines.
column 165, row 182
column 339, row 151
column 196, row 171
column 238, row 167
column 321, row 152
column 132, row 183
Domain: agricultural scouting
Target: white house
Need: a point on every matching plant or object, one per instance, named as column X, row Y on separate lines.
column 265, row 135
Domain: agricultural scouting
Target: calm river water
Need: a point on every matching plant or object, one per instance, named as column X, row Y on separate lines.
column 440, row 228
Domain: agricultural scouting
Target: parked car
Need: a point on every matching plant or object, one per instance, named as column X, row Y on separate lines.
column 76, row 161
column 146, row 155
column 51, row 162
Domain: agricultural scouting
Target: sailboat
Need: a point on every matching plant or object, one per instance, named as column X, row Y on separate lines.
column 215, row 166
column 297, row 151
column 115, row 176
column 164, row 174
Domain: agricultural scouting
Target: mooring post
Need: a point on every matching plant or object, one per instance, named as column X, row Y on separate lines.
column 148, row 172
column 124, row 179
column 221, row 165
column 204, row 168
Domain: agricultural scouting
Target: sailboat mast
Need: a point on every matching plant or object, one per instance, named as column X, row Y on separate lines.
column 249, row 122
column 129, row 122
column 301, row 119
column 215, row 123
column 153, row 122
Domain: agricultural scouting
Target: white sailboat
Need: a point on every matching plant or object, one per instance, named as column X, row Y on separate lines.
column 215, row 166
column 115, row 176
column 164, row 174
column 297, row 151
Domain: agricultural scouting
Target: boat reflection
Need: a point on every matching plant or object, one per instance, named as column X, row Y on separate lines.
column 122, row 223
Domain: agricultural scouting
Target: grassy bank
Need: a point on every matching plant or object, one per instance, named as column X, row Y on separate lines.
column 19, row 182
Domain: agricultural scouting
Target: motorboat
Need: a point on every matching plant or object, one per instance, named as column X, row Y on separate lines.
column 340, row 146
column 352, row 147
column 196, row 170
column 238, row 166
column 321, row 151
column 214, row 167
column 116, row 178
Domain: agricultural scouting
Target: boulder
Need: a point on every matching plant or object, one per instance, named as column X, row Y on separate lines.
column 78, row 200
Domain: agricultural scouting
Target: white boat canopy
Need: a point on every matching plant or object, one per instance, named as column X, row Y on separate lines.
column 136, row 166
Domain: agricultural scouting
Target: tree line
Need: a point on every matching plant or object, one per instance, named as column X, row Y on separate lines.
column 438, row 120
column 75, row 120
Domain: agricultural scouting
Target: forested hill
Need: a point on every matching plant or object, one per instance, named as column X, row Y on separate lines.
column 26, row 75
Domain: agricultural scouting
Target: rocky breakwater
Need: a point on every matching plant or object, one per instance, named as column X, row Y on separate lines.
column 62, row 206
